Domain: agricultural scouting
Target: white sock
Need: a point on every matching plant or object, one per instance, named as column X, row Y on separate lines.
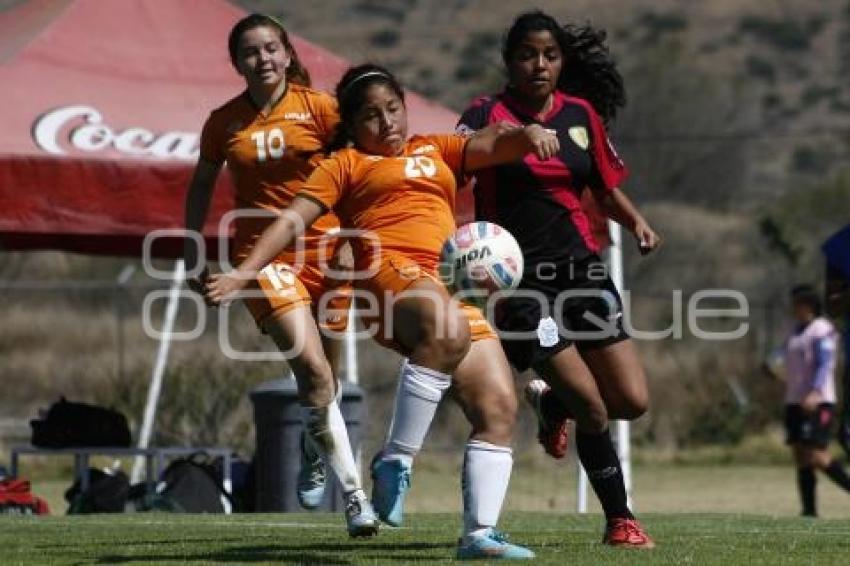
column 313, row 450
column 326, row 430
column 486, row 474
column 419, row 392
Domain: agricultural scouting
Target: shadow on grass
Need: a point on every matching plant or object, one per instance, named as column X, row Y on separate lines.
column 299, row 553
column 140, row 542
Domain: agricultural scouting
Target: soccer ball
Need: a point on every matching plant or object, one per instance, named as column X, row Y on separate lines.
column 481, row 258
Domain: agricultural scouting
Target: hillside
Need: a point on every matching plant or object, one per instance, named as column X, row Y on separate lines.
column 756, row 90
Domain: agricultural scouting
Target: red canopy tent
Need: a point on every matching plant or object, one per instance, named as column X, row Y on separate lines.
column 102, row 104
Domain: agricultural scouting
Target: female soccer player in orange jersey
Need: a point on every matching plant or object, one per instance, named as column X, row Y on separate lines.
column 400, row 192
column 271, row 137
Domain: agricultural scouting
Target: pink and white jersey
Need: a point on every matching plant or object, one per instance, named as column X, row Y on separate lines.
column 810, row 362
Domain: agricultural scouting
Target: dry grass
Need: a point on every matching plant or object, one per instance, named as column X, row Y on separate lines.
column 551, row 487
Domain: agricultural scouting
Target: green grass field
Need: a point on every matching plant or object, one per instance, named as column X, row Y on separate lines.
column 736, row 514
column 321, row 539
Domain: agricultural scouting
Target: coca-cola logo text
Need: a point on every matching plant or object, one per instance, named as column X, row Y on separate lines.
column 81, row 128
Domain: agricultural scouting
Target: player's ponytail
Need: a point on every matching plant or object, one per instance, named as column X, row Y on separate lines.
column 351, row 94
column 296, row 73
column 589, row 70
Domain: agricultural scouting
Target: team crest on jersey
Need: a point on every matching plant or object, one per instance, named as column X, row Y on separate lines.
column 579, row 136
column 424, row 149
column 298, row 116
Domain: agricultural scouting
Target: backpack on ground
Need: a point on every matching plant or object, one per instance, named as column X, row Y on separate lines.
column 68, row 424
column 194, row 484
column 16, row 498
column 106, row 493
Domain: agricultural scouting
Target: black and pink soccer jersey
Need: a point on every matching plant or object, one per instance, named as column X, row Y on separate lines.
column 539, row 202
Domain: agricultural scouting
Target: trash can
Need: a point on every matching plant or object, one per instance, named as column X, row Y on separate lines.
column 277, row 420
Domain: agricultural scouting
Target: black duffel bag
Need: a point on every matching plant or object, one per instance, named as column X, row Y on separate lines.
column 68, row 425
column 194, row 484
column 107, row 493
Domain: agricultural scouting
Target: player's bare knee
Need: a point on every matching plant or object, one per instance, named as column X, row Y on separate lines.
column 592, row 418
column 820, row 459
column 634, row 406
column 317, row 382
column 491, row 425
column 807, row 457
column 500, row 416
column 455, row 348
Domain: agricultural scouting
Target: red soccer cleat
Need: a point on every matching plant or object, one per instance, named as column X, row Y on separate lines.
column 627, row 533
column 551, row 433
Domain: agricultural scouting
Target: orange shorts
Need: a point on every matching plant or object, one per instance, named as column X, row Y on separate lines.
column 279, row 289
column 394, row 275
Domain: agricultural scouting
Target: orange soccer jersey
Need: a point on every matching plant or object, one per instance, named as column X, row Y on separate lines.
column 269, row 157
column 404, row 204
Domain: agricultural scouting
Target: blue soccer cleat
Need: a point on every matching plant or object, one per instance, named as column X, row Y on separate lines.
column 492, row 544
column 360, row 517
column 311, row 477
column 391, row 481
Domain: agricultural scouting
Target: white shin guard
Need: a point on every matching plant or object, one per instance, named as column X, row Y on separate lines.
column 419, row 392
column 326, row 430
column 486, row 474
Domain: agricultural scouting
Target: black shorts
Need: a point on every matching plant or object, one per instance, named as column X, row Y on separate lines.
column 814, row 429
column 580, row 305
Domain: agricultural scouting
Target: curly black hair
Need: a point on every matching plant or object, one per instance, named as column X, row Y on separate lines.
column 590, row 71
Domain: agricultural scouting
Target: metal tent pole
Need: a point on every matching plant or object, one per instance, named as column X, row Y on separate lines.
column 159, row 366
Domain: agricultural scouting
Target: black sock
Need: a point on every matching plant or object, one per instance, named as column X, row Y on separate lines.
column 836, row 473
column 806, row 482
column 554, row 408
column 600, row 460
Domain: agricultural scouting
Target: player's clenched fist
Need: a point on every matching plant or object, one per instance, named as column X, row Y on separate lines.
column 541, row 141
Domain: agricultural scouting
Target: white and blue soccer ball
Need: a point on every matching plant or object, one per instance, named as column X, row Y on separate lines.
column 481, row 257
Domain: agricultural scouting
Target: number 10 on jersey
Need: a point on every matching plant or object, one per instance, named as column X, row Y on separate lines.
column 271, row 145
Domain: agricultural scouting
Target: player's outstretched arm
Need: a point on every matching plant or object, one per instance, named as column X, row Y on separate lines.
column 503, row 142
column 195, row 214
column 291, row 223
